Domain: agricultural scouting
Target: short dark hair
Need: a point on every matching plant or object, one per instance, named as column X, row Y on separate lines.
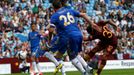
column 56, row 4
column 33, row 23
column 63, row 2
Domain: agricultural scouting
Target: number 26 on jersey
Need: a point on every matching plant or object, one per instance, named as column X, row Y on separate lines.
column 68, row 19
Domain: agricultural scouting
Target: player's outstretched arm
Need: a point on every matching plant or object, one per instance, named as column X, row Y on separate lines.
column 86, row 18
column 94, row 26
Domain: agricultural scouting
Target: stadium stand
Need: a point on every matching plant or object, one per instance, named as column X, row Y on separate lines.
column 17, row 15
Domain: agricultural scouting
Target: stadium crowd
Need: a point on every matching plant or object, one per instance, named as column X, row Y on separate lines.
column 17, row 15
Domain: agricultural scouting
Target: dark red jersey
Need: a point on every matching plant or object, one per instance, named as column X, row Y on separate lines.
column 105, row 36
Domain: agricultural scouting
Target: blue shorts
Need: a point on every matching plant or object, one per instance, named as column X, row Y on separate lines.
column 37, row 52
column 59, row 44
column 75, row 44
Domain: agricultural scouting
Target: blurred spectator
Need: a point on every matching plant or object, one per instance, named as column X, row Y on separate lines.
column 116, row 2
column 119, row 16
column 119, row 55
column 1, row 56
column 86, row 1
column 7, row 53
column 17, row 15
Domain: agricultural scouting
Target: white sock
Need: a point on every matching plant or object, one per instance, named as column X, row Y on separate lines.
column 34, row 66
column 52, row 58
column 63, row 68
column 84, row 64
column 78, row 65
column 38, row 67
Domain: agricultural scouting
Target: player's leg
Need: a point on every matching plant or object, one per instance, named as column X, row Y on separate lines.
column 73, row 53
column 33, row 60
column 108, row 52
column 33, row 66
column 101, row 65
column 37, row 66
column 82, row 61
column 84, row 64
column 76, row 62
column 94, row 63
column 51, row 58
column 38, row 54
column 54, row 60
column 53, row 48
column 59, row 47
column 48, row 55
column 63, row 71
column 88, row 56
column 58, row 56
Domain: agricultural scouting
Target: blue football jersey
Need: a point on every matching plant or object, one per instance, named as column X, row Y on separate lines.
column 34, row 39
column 65, row 21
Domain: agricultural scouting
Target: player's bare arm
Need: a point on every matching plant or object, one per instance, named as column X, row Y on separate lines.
column 94, row 26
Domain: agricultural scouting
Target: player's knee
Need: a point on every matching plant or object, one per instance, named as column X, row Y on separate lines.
column 72, row 55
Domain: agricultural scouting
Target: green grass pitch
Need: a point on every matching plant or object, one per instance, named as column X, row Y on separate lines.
column 105, row 72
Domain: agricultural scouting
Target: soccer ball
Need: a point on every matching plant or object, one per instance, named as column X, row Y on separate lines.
column 22, row 55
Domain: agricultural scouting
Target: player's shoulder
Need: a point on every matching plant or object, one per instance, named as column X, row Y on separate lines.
column 29, row 33
column 64, row 10
column 54, row 18
column 101, row 23
column 68, row 8
column 54, row 15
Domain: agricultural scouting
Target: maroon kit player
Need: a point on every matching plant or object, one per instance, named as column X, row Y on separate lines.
column 108, row 42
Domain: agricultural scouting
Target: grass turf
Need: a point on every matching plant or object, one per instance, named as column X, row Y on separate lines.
column 105, row 72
